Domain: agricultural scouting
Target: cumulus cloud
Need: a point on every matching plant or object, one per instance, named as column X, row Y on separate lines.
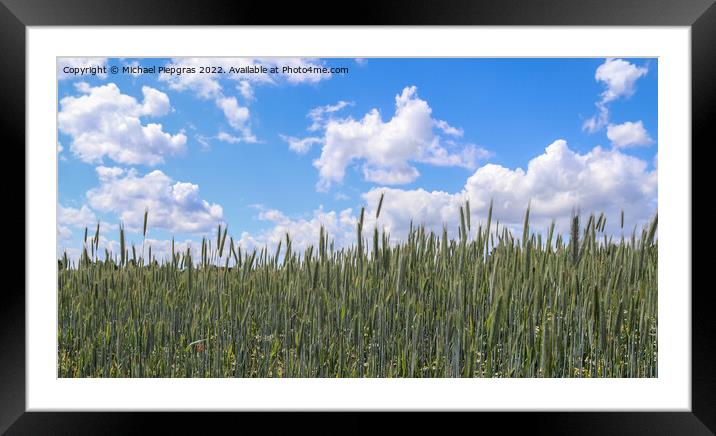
column 619, row 78
column 395, row 175
column 64, row 232
column 162, row 248
column 237, row 117
column 74, row 252
column 628, row 134
column 84, row 63
column 103, row 122
column 69, row 217
column 304, row 231
column 386, row 148
column 235, row 114
column 174, row 206
column 554, row 184
column 81, row 217
column 155, row 104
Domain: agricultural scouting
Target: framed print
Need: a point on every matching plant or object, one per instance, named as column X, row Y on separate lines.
column 487, row 210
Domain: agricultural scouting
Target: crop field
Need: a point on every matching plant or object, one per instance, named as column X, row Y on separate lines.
column 486, row 303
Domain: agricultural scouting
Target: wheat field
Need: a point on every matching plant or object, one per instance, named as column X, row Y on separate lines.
column 483, row 304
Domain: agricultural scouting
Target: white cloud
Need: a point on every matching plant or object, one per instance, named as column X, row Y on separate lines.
column 387, row 147
column 60, row 148
column 134, row 65
column 83, row 87
column 84, row 65
column 108, row 172
column 237, row 116
column 318, row 114
column 103, row 122
column 174, row 206
column 395, row 175
column 300, row 145
column 225, row 137
column 448, row 129
column 245, row 90
column 466, row 157
column 162, row 248
column 400, row 207
column 628, row 134
column 203, row 140
column 339, row 196
column 108, row 240
column 73, row 249
column 554, row 184
column 80, row 218
column 155, row 104
column 619, row 77
column 64, row 232
column 72, row 253
column 68, row 217
column 207, row 84
column 597, row 122
column 303, row 231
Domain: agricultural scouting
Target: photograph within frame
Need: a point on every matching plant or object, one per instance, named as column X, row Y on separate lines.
column 432, row 43
column 510, row 285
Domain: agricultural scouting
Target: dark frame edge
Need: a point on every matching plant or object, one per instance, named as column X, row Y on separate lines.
column 703, row 113
column 12, row 310
column 702, row 419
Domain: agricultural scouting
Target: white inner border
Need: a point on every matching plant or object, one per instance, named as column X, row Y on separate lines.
column 670, row 391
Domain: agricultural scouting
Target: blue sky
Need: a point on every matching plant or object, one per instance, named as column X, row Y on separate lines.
column 254, row 152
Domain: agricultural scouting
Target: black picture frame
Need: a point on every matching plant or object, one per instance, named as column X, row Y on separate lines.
column 700, row 15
